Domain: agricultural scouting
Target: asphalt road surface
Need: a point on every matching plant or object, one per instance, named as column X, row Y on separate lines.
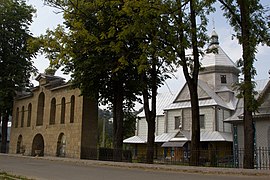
column 37, row 168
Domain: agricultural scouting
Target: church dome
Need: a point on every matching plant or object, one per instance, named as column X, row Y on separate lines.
column 215, row 56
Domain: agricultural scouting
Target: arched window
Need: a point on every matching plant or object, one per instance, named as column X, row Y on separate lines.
column 38, row 145
column 72, row 107
column 22, row 117
column 19, row 145
column 61, row 146
column 53, row 111
column 63, row 110
column 40, row 110
column 29, row 115
column 17, row 118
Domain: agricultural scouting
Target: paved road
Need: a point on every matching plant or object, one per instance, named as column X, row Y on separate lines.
column 39, row 168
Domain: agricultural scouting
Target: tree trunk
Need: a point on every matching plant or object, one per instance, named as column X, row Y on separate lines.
column 247, row 91
column 4, row 132
column 195, row 137
column 150, row 115
column 118, row 116
column 193, row 84
column 150, row 140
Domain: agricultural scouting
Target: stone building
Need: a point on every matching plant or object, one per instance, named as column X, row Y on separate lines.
column 53, row 120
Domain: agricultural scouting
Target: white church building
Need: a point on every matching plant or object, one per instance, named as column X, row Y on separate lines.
column 220, row 113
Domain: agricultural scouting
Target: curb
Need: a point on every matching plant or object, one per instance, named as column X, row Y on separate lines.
column 155, row 167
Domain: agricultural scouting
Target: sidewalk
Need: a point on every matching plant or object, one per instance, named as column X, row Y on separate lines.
column 157, row 167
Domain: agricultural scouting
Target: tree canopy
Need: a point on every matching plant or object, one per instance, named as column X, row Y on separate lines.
column 15, row 59
column 251, row 24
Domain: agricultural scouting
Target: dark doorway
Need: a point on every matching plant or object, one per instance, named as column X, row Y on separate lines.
column 38, row 145
column 19, row 145
column 61, row 146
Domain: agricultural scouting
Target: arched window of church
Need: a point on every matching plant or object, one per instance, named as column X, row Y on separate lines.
column 29, row 115
column 53, row 111
column 63, row 110
column 17, row 118
column 40, row 110
column 22, row 117
column 72, row 108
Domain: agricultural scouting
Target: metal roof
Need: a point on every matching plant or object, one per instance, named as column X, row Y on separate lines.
column 219, row 57
column 182, row 136
column 261, row 87
column 164, row 137
column 143, row 139
column 163, row 100
column 207, row 136
column 174, row 144
column 212, row 100
column 136, row 140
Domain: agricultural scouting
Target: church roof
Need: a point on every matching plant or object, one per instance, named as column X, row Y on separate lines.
column 217, row 58
column 163, row 100
column 215, row 55
column 209, row 98
column 182, row 136
column 261, row 87
column 49, row 77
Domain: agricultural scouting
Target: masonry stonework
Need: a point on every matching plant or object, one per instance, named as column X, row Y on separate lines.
column 53, row 120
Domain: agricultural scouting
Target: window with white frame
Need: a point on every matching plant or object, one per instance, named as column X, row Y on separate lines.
column 177, row 122
column 202, row 121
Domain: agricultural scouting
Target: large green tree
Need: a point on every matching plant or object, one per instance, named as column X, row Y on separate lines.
column 97, row 55
column 15, row 59
column 121, row 40
column 154, row 63
column 251, row 24
column 186, row 31
column 167, row 29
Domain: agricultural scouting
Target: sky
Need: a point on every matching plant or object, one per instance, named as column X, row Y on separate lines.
column 47, row 18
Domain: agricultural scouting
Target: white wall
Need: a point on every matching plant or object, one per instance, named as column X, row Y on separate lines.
column 142, row 127
column 209, row 117
column 160, row 123
column 171, row 122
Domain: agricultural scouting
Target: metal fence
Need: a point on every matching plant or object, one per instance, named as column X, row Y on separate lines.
column 261, row 158
column 229, row 159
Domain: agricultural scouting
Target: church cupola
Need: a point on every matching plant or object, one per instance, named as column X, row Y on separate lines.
column 218, row 70
column 214, row 39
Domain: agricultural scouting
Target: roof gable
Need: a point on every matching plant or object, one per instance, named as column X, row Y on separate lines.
column 184, row 94
column 263, row 88
column 207, row 97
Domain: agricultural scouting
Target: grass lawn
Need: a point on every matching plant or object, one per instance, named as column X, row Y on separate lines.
column 6, row 176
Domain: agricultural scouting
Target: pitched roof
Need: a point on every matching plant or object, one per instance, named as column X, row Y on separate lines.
column 165, row 137
column 212, row 100
column 216, row 56
column 219, row 58
column 49, row 77
column 261, row 87
column 163, row 100
column 136, row 140
column 207, row 136
column 182, row 136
